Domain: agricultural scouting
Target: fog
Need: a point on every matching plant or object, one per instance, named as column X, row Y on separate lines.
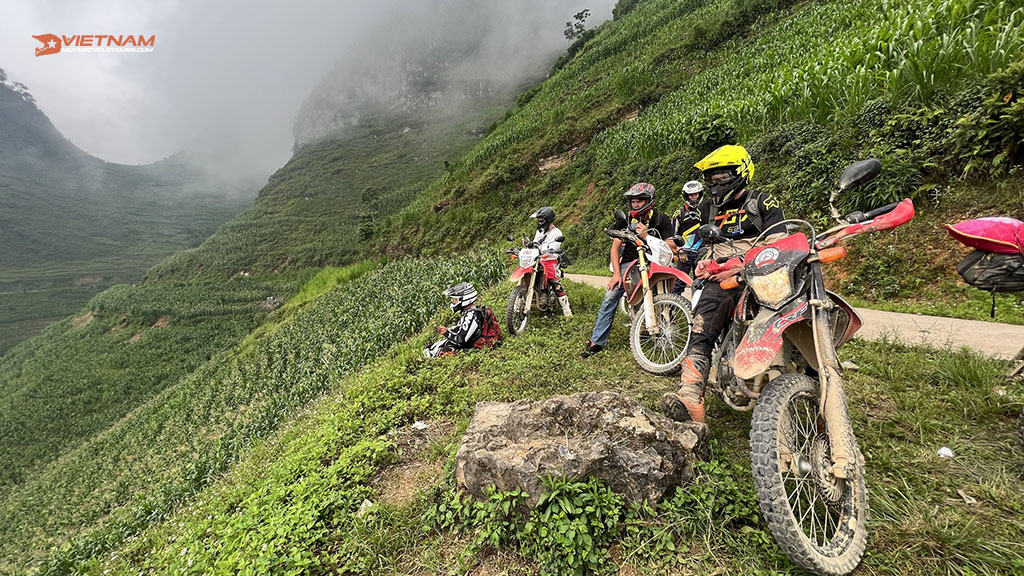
column 233, row 75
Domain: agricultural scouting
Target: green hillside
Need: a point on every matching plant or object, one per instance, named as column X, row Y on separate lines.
column 72, row 225
column 292, row 381
column 917, row 84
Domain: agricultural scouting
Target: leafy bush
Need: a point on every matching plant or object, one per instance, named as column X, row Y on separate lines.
column 988, row 140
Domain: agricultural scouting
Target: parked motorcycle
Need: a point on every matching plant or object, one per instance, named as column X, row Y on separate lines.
column 533, row 291
column 659, row 320
column 778, row 358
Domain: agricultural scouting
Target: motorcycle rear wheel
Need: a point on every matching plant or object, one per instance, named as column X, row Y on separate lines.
column 515, row 315
column 819, row 521
column 661, row 354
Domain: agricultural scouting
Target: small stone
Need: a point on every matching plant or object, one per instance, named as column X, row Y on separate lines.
column 850, row 365
column 364, row 508
column 946, row 452
column 419, row 425
column 999, row 391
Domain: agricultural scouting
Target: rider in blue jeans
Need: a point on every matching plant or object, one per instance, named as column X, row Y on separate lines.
column 644, row 220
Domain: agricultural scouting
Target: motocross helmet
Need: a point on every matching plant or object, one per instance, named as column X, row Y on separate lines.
column 727, row 172
column 462, row 295
column 644, row 191
column 693, row 192
column 545, row 217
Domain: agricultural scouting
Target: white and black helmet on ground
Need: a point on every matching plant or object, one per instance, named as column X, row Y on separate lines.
column 462, row 295
column 545, row 217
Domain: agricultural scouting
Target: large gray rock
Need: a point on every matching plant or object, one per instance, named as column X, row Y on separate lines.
column 638, row 453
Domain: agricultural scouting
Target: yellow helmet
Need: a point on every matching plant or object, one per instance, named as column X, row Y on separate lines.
column 727, row 171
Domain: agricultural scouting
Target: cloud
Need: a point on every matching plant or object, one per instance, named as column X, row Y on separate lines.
column 241, row 70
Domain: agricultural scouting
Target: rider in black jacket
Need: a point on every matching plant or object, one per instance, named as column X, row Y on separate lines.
column 741, row 214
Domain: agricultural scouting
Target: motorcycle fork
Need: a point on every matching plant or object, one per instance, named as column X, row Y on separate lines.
column 832, row 405
column 529, row 291
column 652, row 321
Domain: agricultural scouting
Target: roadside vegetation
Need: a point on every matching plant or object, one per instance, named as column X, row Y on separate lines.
column 351, row 487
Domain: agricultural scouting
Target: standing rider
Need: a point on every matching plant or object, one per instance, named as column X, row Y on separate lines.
column 740, row 214
column 545, row 238
column 464, row 334
column 643, row 220
column 685, row 223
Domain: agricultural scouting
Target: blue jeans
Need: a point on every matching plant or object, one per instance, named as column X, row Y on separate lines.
column 605, row 315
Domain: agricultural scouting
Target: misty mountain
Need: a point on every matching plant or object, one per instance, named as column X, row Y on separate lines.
column 439, row 59
column 71, row 223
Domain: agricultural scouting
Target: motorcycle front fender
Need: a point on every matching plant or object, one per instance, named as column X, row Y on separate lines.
column 519, row 273
column 764, row 338
column 658, row 272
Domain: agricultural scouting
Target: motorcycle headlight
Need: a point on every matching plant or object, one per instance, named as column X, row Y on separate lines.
column 772, row 289
column 528, row 257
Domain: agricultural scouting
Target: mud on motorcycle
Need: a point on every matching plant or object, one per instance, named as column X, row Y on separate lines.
column 778, row 358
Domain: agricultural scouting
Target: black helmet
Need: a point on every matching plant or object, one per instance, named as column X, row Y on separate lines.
column 643, row 191
column 462, row 295
column 544, row 216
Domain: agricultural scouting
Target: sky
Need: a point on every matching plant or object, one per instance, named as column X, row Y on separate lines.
column 233, row 69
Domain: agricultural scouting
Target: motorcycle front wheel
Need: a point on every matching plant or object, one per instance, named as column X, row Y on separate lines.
column 818, row 520
column 515, row 315
column 660, row 353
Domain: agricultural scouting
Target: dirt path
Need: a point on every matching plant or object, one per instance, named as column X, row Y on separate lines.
column 1004, row 341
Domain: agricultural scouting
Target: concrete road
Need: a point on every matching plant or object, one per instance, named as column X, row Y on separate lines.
column 1004, row 341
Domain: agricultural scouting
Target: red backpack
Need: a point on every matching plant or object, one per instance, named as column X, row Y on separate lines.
column 490, row 332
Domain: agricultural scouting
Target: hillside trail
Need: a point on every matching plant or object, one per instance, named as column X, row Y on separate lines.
column 1003, row 341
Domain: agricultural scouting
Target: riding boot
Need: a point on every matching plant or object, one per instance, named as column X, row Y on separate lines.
column 564, row 301
column 688, row 402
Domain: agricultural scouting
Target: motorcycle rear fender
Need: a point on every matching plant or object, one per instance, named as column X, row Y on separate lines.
column 764, row 338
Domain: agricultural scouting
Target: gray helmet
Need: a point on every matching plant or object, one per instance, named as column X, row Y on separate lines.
column 544, row 216
column 463, row 295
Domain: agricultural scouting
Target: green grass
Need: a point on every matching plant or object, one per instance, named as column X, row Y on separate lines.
column 151, row 461
column 292, row 502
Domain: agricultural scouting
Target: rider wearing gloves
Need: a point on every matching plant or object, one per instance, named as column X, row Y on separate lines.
column 740, row 214
column 644, row 220
column 467, row 330
column 545, row 237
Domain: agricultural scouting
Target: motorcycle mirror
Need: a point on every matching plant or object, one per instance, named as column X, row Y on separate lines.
column 620, row 216
column 855, row 175
column 510, row 238
column 560, row 239
column 859, row 173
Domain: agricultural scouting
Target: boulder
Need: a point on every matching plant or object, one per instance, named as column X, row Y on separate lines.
column 636, row 452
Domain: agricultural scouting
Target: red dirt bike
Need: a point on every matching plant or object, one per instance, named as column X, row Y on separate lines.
column 533, row 290
column 778, row 358
column 659, row 320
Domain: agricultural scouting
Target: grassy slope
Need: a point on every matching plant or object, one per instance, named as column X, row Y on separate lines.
column 141, row 468
column 292, row 502
column 805, row 100
column 320, row 206
column 309, row 215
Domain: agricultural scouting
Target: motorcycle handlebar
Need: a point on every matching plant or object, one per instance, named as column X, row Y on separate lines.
column 858, row 217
